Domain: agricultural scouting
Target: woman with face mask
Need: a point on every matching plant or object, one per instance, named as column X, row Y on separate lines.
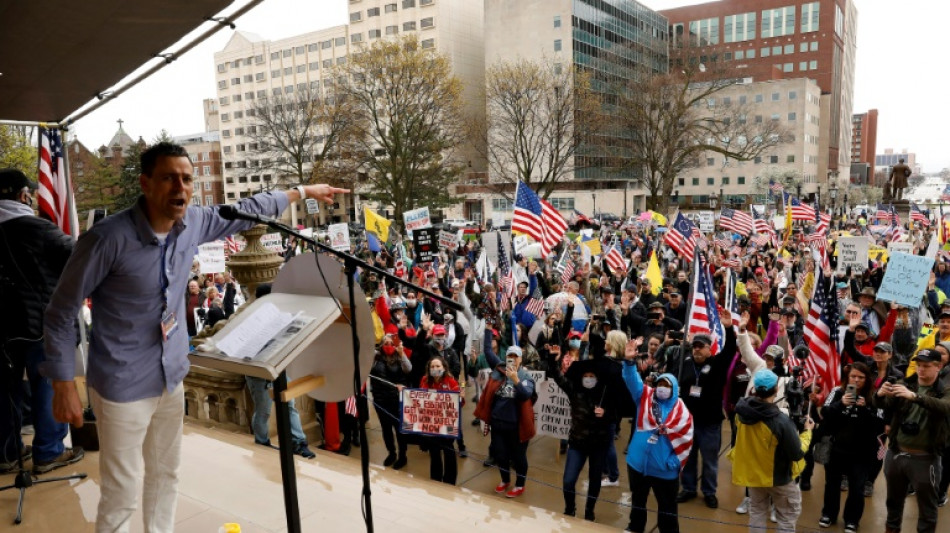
column 443, row 465
column 391, row 367
column 663, row 437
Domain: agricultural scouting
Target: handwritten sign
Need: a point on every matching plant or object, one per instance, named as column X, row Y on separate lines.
column 273, row 242
column 417, row 219
column 448, row 240
column 431, row 412
column 339, row 237
column 424, row 244
column 211, row 257
column 853, row 252
column 903, row 247
column 552, row 411
column 313, row 207
column 707, row 220
column 906, row 279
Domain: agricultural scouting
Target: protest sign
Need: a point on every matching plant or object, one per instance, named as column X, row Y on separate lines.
column 904, row 247
column 497, row 220
column 447, row 240
column 211, row 257
column 853, row 252
column 482, row 378
column 273, row 242
column 417, row 219
column 339, row 237
column 424, row 244
column 707, row 221
column 313, row 207
column 552, row 411
column 906, row 279
column 537, row 376
column 519, row 242
column 431, row 412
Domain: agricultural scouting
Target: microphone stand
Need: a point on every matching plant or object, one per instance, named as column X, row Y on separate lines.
column 350, row 264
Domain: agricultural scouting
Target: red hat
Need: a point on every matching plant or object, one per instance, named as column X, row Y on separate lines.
column 439, row 329
column 574, row 335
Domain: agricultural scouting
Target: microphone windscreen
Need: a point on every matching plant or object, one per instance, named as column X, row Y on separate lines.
column 228, row 212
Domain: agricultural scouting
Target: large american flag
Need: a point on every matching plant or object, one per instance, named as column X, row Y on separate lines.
column 554, row 227
column 53, row 194
column 681, row 236
column 614, row 258
column 918, row 216
column 883, row 213
column 703, row 314
column 821, row 334
column 737, row 221
column 527, row 214
column 506, row 281
column 800, row 211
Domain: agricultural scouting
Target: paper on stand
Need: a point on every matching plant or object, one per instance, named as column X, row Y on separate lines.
column 255, row 331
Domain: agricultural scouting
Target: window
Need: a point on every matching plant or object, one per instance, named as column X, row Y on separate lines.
column 316, row 64
column 710, row 161
column 743, row 99
column 813, row 46
column 341, row 60
column 788, row 67
column 557, row 45
column 803, row 65
column 260, row 76
column 392, row 30
column 792, row 116
column 778, row 22
column 286, row 53
column 740, row 180
column 312, row 47
column 802, row 47
column 765, row 52
column 682, row 182
column 502, row 204
column 258, row 59
column 230, row 194
column 390, row 8
column 289, row 89
column 326, row 44
column 776, row 97
column 227, row 150
column 776, row 50
column 288, row 71
column 275, row 91
column 327, row 63
column 355, row 38
column 356, row 16
column 738, row 28
column 812, row 65
column 262, row 93
column 740, row 54
column 372, row 12
column 406, row 4
column 710, row 181
column 301, row 69
column 426, row 2
column 223, row 100
column 725, row 180
column 409, row 26
column 758, row 119
column 775, row 116
column 758, row 98
column 704, row 32
column 695, row 181
column 428, row 43
column 222, row 67
column 810, row 17
column 427, row 22
column 750, row 54
column 226, row 134
column 206, row 185
column 374, row 34
column 790, row 158
column 237, row 97
column 274, row 56
column 557, row 21
column 562, row 204
column 225, row 117
column 209, row 200
column 789, row 49
column 340, row 41
column 249, row 95
column 235, row 81
column 275, row 73
column 299, row 50
column 758, row 160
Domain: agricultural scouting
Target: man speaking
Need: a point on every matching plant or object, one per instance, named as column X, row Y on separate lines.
column 135, row 266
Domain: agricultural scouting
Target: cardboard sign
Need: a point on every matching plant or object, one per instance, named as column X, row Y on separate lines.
column 903, row 247
column 430, row 412
column 339, row 237
column 707, row 221
column 211, row 257
column 417, row 219
column 497, row 220
column 448, row 240
column 520, row 242
column 853, row 252
column 537, row 376
column 313, row 207
column 552, row 411
column 424, row 244
column 906, row 279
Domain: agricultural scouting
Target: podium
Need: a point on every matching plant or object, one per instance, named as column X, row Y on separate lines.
column 311, row 355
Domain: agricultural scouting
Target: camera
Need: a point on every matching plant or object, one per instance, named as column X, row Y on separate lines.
column 596, row 317
column 653, row 315
column 675, row 335
column 795, row 390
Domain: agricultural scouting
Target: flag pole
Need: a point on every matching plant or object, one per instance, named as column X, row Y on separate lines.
column 692, row 290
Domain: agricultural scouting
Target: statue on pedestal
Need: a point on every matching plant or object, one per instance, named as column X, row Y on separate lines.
column 897, row 181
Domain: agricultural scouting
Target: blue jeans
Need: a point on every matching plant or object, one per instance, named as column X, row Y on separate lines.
column 48, row 439
column 262, row 403
column 610, row 464
column 576, row 457
column 707, row 439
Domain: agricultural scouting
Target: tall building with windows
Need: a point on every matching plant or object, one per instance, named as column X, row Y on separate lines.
column 863, row 146
column 783, row 39
column 205, row 152
column 251, row 67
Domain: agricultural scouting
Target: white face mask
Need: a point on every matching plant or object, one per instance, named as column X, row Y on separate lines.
column 664, row 393
column 589, row 383
column 437, row 372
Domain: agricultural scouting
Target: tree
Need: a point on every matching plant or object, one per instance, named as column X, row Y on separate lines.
column 302, row 137
column 128, row 188
column 539, row 118
column 674, row 124
column 409, row 105
column 97, row 188
column 17, row 151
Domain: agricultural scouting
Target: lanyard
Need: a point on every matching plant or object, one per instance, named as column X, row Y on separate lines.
column 163, row 276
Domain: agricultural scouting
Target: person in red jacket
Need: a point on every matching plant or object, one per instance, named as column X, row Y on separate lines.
column 443, row 465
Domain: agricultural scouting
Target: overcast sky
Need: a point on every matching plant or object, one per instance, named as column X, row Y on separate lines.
column 899, row 71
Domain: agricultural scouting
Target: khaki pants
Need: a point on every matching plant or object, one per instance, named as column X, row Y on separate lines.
column 788, row 506
column 136, row 438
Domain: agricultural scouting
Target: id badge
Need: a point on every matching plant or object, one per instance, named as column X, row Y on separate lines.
column 695, row 391
column 169, row 324
column 653, row 439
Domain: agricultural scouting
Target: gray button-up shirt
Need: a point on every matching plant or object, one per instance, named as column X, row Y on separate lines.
column 117, row 264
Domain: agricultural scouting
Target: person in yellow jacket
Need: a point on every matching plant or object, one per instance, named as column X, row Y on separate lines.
column 939, row 334
column 768, row 454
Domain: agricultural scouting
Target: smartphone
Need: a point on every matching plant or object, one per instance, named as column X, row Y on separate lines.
column 509, row 366
column 851, row 390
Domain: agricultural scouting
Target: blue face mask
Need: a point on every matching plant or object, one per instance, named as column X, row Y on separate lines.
column 574, row 344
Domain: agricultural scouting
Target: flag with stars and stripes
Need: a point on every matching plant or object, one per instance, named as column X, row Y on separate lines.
column 535, row 304
column 800, row 210
column 821, row 334
column 731, row 301
column 703, row 314
column 53, row 193
column 566, row 267
column 737, row 221
column 614, row 258
column 917, row 215
column 506, row 280
column 681, row 236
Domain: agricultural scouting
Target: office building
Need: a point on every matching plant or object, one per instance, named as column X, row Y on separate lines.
column 863, row 146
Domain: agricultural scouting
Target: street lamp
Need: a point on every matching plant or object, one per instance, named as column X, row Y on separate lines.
column 712, row 201
column 722, row 197
column 594, row 196
column 834, row 196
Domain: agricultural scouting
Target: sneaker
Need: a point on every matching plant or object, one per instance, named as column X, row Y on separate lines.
column 773, row 517
column 825, row 521
column 743, row 507
column 943, row 501
column 844, row 484
column 711, row 501
column 463, row 453
column 685, row 496
column 606, row 482
column 868, row 489
column 68, row 457
column 390, row 459
column 501, row 488
column 850, row 528
column 476, row 422
column 515, row 492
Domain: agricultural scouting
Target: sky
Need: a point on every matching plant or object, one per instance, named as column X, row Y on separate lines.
column 898, row 72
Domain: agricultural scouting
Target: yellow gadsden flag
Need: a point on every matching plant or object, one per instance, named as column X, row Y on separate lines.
column 377, row 224
column 654, row 275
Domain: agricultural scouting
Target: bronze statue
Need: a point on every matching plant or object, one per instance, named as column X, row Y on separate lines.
column 897, row 181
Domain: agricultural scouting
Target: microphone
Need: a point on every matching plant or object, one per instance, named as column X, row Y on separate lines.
column 230, row 212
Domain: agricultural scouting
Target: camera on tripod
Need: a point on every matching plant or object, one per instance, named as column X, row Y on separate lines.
column 795, row 390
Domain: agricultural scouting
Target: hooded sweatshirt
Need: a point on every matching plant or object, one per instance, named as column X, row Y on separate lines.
column 768, row 445
column 651, row 453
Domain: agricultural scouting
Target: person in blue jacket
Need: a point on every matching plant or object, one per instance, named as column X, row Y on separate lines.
column 662, row 439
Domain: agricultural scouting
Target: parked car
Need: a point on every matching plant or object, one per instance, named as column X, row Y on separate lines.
column 457, row 223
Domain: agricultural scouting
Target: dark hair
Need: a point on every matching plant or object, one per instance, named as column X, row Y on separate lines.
column 163, row 149
column 445, row 366
column 657, row 336
column 863, row 368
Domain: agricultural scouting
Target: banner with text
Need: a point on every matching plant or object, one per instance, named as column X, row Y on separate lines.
column 424, row 243
column 552, row 411
column 906, row 279
column 417, row 219
column 448, row 240
column 273, row 242
column 431, row 412
column 853, row 252
column 211, row 257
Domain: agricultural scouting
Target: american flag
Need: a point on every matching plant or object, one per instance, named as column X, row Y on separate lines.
column 800, row 211
column 527, row 215
column 732, row 302
column 917, row 215
column 506, row 281
column 681, row 236
column 614, row 258
column 760, row 224
column 895, row 218
column 723, row 244
column 775, row 186
column 894, row 233
column 821, row 334
column 566, row 267
column 703, row 314
column 883, row 213
column 737, row 221
column 535, row 304
column 824, row 222
column 53, row 194
column 732, row 263
column 554, row 227
column 760, row 240
column 231, row 245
